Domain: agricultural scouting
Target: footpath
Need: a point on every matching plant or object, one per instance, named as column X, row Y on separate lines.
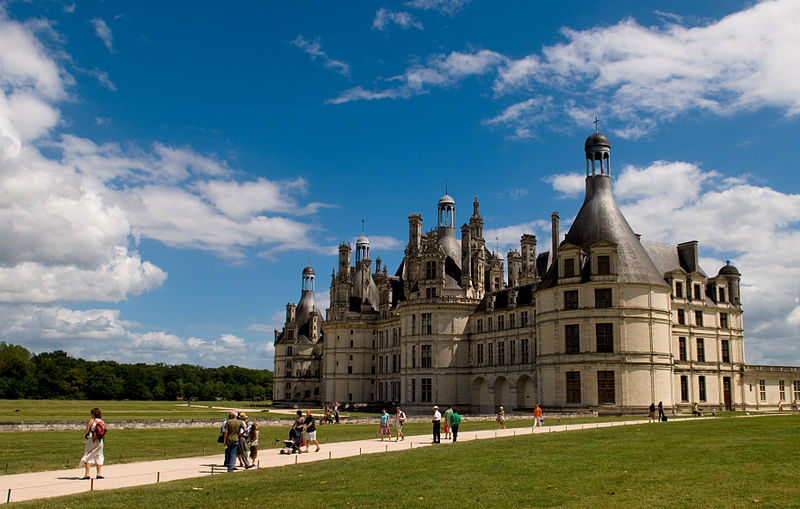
column 54, row 483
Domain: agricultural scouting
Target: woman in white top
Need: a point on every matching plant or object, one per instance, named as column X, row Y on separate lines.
column 93, row 450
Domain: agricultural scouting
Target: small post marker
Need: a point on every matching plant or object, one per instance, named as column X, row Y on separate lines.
column 212, row 469
column 91, row 484
column 359, row 451
column 329, row 454
column 387, row 448
column 158, row 477
column 295, row 460
column 8, row 498
column 258, row 464
column 67, row 463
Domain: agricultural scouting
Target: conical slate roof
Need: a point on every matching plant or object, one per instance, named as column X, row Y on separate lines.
column 600, row 219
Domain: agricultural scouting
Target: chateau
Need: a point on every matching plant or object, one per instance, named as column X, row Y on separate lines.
column 603, row 321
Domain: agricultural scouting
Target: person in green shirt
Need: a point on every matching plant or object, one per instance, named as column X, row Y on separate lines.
column 447, row 415
column 454, row 419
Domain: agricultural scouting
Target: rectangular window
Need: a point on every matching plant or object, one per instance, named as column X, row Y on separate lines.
column 490, row 356
column 605, row 337
column 501, row 322
column 602, row 297
column 682, row 348
column 394, row 363
column 701, row 350
column 722, row 294
column 604, row 265
column 480, row 355
column 605, row 387
column 288, row 388
column 726, row 351
column 571, row 299
column 572, row 338
column 413, row 389
column 480, row 324
column 427, row 357
column 797, row 390
column 413, row 356
column 501, row 353
column 430, row 293
column 762, row 389
column 489, row 324
column 684, row 388
column 426, row 324
column 701, row 388
column 573, row 386
column 681, row 317
column 426, row 389
column 698, row 292
column 349, row 370
column 524, row 352
column 289, row 350
column 512, row 349
column 782, row 390
column 523, row 318
column 413, row 324
column 569, row 267
column 698, row 318
column 723, row 320
column 678, row 289
column 511, row 321
column 430, row 270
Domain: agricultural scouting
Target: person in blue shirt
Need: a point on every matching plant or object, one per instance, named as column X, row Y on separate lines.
column 385, row 425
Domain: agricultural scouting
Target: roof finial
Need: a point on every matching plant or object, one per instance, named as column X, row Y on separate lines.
column 362, row 226
column 596, row 121
column 445, row 185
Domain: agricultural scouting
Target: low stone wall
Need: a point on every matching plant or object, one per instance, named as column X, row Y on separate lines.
column 6, row 427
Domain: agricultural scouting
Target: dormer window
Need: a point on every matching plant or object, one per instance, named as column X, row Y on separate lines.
column 569, row 267
column 604, row 265
column 698, row 291
column 722, row 294
column 678, row 289
column 430, row 270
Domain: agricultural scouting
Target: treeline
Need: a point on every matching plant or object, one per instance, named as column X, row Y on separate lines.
column 56, row 375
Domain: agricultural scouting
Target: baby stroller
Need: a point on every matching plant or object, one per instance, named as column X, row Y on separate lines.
column 292, row 446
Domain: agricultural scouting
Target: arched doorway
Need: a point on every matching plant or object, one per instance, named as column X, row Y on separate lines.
column 525, row 392
column 480, row 395
column 501, row 393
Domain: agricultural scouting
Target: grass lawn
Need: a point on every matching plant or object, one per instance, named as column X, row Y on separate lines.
column 55, row 448
column 711, row 463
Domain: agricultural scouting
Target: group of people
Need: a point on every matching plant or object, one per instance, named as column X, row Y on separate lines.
column 399, row 420
column 452, row 420
column 240, row 437
column 305, row 429
column 332, row 417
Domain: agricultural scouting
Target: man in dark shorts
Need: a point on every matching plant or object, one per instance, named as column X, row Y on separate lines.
column 310, row 428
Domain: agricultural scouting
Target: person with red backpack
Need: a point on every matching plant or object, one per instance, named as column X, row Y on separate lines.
column 93, row 451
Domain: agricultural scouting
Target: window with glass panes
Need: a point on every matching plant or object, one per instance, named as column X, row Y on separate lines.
column 426, row 361
column 698, row 318
column 501, row 323
column 523, row 319
column 701, row 350
column 603, row 265
column 511, row 321
column 605, row 337
column 501, row 353
column 524, row 350
column 782, row 390
column 573, row 386
column 571, row 299
column 605, row 387
column 490, row 356
column 569, row 267
column 762, row 389
column 723, row 320
column 726, row 351
column 479, row 355
column 684, row 388
column 512, row 351
column 682, row 348
column 602, row 297
column 426, row 323
column 572, row 340
column 426, row 389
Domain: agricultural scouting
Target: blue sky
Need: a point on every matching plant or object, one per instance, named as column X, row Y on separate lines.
column 167, row 169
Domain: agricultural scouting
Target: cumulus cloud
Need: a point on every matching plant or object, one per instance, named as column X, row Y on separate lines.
column 754, row 226
column 568, row 184
column 403, row 19
column 508, row 237
column 102, row 31
column 314, row 50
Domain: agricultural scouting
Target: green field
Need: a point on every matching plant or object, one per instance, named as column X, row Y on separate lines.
column 705, row 463
column 60, row 449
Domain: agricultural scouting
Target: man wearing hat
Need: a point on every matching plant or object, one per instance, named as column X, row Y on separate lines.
column 244, row 448
column 437, row 419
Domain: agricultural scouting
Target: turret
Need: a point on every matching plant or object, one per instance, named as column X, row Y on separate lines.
column 414, row 232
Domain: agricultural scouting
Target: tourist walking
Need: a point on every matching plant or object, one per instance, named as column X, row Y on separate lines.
column 243, row 451
column 447, row 414
column 93, row 449
column 385, row 425
column 455, row 420
column 399, row 420
column 537, row 416
column 336, row 413
column 661, row 416
column 252, row 440
column 310, row 428
column 651, row 415
column 230, row 437
column 437, row 421
column 501, row 419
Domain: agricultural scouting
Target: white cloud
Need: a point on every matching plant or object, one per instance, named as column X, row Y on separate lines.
column 102, row 31
column 508, row 237
column 314, row 50
column 449, row 7
column 570, row 184
column 439, row 71
column 383, row 17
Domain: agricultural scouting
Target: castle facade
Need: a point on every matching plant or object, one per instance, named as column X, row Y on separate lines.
column 602, row 321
